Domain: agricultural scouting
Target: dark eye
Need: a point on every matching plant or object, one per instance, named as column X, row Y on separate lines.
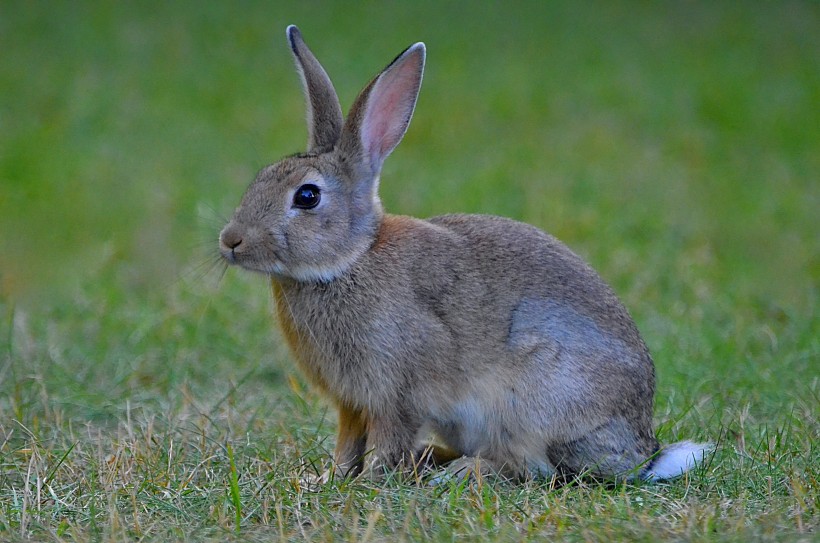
column 307, row 197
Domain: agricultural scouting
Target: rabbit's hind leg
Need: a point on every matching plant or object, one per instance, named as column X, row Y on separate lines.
column 611, row 451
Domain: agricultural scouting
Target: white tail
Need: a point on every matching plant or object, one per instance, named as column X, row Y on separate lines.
column 676, row 459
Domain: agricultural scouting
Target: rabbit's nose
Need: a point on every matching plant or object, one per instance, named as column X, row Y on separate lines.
column 232, row 242
column 229, row 240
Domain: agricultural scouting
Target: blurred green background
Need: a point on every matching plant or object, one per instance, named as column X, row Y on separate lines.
column 674, row 144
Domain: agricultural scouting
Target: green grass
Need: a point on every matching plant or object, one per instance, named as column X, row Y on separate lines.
column 675, row 146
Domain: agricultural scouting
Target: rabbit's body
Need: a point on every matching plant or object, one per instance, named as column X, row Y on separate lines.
column 486, row 333
column 496, row 362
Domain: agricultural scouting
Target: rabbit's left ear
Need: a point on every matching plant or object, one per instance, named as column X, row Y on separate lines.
column 381, row 113
column 324, row 115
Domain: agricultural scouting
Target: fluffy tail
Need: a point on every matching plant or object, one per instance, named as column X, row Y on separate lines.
column 676, row 459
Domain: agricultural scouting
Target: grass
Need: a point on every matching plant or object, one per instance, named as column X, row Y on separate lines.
column 675, row 146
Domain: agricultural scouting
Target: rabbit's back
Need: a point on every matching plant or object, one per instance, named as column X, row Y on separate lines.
column 526, row 264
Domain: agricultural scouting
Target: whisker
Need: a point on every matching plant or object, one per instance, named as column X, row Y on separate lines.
column 207, row 244
column 208, row 213
column 222, row 273
column 203, row 271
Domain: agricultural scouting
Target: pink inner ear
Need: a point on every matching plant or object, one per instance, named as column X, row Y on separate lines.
column 383, row 111
column 388, row 112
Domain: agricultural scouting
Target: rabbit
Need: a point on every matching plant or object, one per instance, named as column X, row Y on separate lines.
column 485, row 335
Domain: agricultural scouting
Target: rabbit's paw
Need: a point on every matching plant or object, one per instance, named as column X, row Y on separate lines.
column 463, row 469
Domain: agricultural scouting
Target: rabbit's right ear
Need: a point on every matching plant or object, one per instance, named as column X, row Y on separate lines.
column 381, row 113
column 324, row 115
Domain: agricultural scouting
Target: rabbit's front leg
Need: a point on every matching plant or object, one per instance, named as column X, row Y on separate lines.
column 391, row 443
column 350, row 442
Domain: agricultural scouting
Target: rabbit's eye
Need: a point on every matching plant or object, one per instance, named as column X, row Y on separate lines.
column 306, row 197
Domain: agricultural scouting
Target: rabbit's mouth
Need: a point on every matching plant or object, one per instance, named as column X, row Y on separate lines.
column 236, row 253
column 270, row 265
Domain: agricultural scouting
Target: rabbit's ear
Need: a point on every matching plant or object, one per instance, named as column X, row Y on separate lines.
column 324, row 115
column 380, row 115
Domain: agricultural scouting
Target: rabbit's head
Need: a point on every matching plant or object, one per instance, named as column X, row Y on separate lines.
column 310, row 216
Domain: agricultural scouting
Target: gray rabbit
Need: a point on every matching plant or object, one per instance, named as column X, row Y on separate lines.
column 485, row 333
